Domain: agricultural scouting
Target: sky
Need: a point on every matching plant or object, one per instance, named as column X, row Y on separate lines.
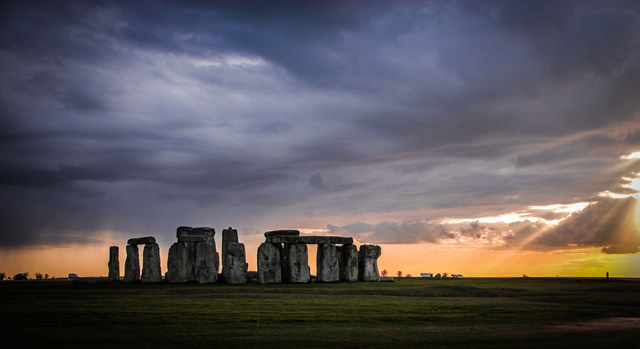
column 487, row 138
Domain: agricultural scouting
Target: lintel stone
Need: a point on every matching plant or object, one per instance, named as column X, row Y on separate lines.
column 317, row 240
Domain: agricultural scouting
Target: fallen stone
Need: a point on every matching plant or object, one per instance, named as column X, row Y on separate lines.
column 142, row 241
column 228, row 235
column 339, row 240
column 387, row 279
column 282, row 233
column 235, row 271
column 114, row 264
column 132, row 264
column 328, row 263
column 269, row 266
column 368, row 263
column 252, row 276
column 349, row 263
column 177, row 263
column 297, row 267
column 206, row 264
column 151, row 263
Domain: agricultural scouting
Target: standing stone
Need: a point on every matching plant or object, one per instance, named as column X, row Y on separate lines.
column 269, row 266
column 114, row 264
column 190, row 248
column 235, row 265
column 348, row 263
column 228, row 235
column 328, row 263
column 151, row 263
column 132, row 264
column 206, row 264
column 177, row 263
column 368, row 263
column 297, row 263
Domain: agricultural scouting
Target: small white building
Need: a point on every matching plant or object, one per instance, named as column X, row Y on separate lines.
column 426, row 275
column 456, row 276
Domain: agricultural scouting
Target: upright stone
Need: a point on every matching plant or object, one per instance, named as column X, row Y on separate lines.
column 151, row 263
column 228, row 235
column 328, row 263
column 368, row 263
column 132, row 264
column 235, row 264
column 269, row 266
column 297, row 263
column 114, row 264
column 190, row 248
column 348, row 263
column 177, row 263
column 206, row 264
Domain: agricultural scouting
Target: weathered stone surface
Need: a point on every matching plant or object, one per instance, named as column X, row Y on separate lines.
column 328, row 263
column 142, row 241
column 368, row 263
column 269, row 266
column 114, row 264
column 191, row 260
column 235, row 264
column 151, row 263
column 132, row 264
column 199, row 231
column 282, row 233
column 349, row 263
column 228, row 235
column 177, row 263
column 193, row 238
column 206, row 264
column 297, row 267
column 310, row 240
column 206, row 231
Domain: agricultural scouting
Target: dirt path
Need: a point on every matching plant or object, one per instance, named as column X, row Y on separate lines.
column 602, row 325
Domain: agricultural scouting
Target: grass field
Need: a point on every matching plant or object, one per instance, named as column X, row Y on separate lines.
column 553, row 312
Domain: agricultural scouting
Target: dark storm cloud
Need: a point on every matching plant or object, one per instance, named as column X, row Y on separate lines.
column 141, row 116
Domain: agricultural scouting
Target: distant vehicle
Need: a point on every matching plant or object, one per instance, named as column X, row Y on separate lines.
column 73, row 276
column 456, row 276
column 426, row 275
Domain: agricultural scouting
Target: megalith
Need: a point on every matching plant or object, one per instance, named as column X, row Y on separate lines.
column 208, row 259
column 269, row 266
column 151, row 263
column 348, row 263
column 368, row 263
column 177, row 263
column 114, row 264
column 235, row 264
column 327, row 263
column 206, row 264
column 297, row 264
column 228, row 235
column 132, row 264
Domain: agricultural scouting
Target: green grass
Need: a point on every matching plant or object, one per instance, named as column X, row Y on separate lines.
column 447, row 313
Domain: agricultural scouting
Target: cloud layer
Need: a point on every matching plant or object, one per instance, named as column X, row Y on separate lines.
column 384, row 119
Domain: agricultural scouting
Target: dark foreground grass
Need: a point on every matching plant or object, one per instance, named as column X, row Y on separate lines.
column 465, row 313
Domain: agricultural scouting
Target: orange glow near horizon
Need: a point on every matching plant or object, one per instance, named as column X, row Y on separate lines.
column 409, row 258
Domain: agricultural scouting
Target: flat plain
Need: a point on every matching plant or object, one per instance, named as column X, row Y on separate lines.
column 470, row 312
